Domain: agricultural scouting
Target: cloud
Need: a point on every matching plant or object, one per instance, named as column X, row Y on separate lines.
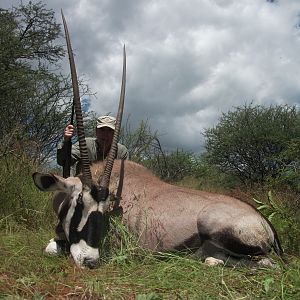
column 188, row 61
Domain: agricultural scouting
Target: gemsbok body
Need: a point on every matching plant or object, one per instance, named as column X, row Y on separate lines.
column 164, row 217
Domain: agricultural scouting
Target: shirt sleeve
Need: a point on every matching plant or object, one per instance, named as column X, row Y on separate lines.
column 122, row 152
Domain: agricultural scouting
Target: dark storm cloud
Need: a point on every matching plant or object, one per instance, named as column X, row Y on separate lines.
column 188, row 61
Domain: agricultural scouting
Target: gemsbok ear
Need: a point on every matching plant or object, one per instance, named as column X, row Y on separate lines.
column 47, row 182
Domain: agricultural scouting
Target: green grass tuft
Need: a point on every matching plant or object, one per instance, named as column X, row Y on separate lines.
column 21, row 204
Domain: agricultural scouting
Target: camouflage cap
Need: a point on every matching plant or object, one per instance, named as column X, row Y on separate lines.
column 106, row 121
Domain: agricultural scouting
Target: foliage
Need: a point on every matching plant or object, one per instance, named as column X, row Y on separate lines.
column 90, row 121
column 286, row 215
column 144, row 147
column 289, row 175
column 173, row 166
column 205, row 176
column 142, row 142
column 35, row 97
column 21, row 204
column 250, row 141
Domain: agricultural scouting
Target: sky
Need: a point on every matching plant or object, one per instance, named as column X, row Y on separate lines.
column 187, row 61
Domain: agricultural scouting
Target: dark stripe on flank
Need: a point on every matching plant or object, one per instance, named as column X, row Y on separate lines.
column 277, row 245
column 192, row 243
column 229, row 242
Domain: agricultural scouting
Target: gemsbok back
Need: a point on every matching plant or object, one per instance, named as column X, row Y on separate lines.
column 217, row 228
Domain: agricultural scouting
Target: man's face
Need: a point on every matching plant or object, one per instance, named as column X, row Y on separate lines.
column 104, row 137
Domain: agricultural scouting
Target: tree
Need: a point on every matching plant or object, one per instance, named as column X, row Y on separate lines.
column 174, row 165
column 250, row 141
column 142, row 142
column 35, row 97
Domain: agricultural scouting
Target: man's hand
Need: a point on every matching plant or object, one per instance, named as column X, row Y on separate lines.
column 69, row 132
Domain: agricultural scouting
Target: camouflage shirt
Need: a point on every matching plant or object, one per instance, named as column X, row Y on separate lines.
column 94, row 151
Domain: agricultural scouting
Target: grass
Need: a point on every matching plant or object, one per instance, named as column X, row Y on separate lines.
column 126, row 271
column 132, row 273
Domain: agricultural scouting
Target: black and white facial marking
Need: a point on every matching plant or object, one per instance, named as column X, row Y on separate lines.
column 86, row 223
column 83, row 218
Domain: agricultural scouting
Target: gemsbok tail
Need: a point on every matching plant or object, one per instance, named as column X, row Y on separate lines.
column 277, row 246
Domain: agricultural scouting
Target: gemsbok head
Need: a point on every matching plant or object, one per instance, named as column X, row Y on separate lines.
column 217, row 228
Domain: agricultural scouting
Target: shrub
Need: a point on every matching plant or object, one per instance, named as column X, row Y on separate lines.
column 21, row 204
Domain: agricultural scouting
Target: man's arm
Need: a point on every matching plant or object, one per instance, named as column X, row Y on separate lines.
column 122, row 152
column 63, row 150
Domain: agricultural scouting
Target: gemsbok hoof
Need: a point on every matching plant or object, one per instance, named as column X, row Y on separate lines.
column 211, row 261
column 53, row 248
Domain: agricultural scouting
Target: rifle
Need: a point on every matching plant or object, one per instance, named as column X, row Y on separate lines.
column 68, row 145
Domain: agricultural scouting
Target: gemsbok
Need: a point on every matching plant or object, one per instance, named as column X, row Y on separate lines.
column 217, row 228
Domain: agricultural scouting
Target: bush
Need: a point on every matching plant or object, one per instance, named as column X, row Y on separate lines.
column 173, row 166
column 21, row 204
column 254, row 142
column 284, row 215
column 211, row 178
